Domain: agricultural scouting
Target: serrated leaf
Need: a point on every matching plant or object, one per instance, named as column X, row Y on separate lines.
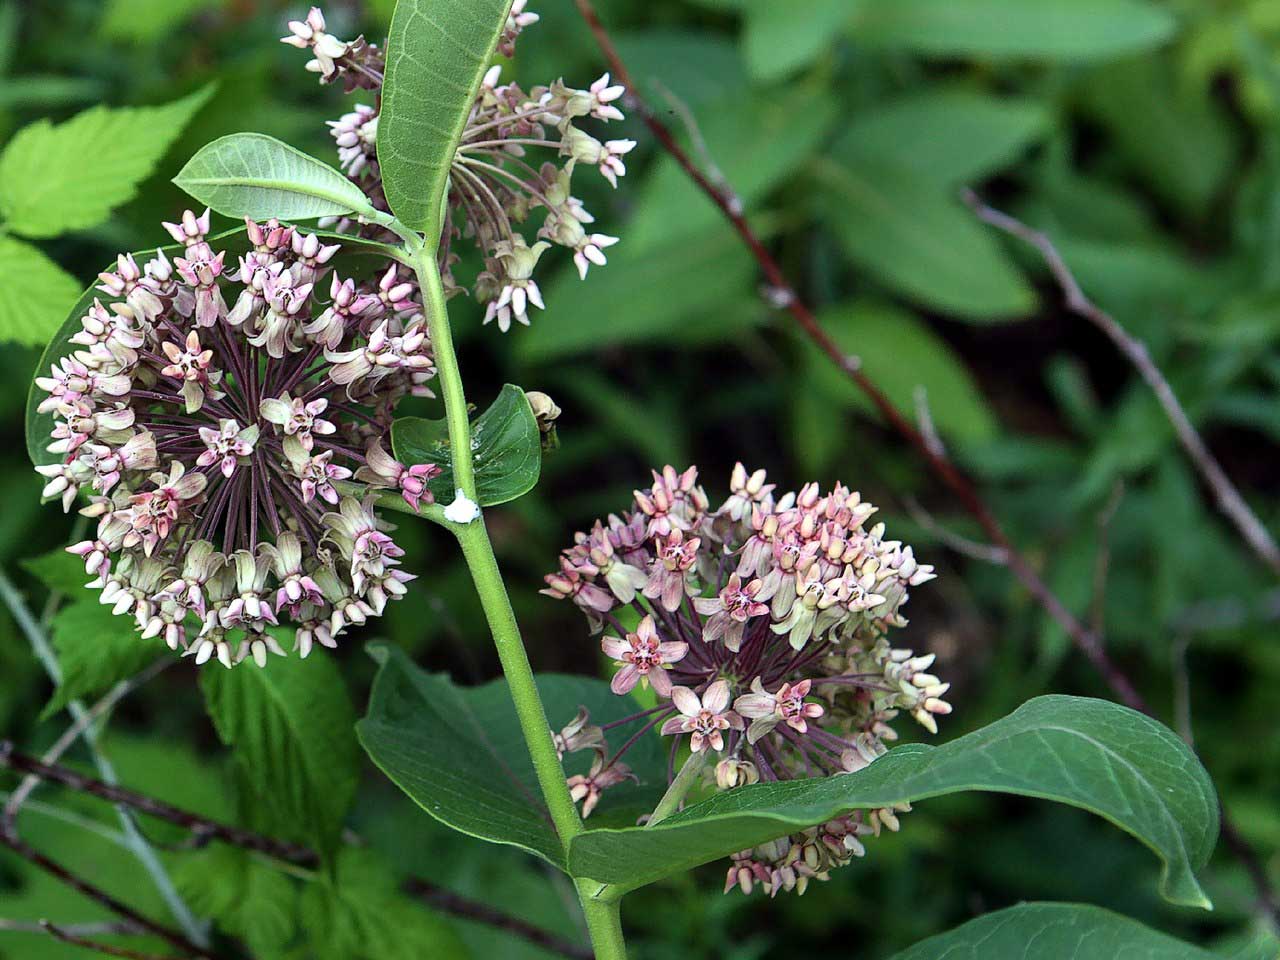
column 901, row 354
column 1092, row 754
column 359, row 914
column 253, row 175
column 950, row 136
column 914, row 237
column 58, row 570
column 34, row 293
column 780, row 38
column 437, row 53
column 96, row 650
column 244, row 897
column 1048, row 29
column 506, row 446
column 459, row 753
column 290, row 728
column 70, row 176
column 1053, row 931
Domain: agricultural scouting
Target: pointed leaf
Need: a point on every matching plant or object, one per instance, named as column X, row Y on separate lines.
column 253, row 175
column 70, row 176
column 96, row 650
column 1091, row 754
column 506, row 447
column 459, row 754
column 1059, row 931
column 290, row 727
column 437, row 53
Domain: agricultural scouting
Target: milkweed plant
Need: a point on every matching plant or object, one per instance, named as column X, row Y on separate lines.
column 225, row 412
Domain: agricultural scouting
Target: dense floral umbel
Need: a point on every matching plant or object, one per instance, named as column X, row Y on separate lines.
column 511, row 205
column 207, row 411
column 762, row 625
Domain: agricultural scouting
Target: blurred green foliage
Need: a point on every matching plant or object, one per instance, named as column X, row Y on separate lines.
column 1143, row 136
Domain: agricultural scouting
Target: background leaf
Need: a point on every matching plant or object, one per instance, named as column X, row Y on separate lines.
column 458, row 752
column 1079, row 30
column 290, row 728
column 1092, row 754
column 252, row 175
column 34, row 293
column 1057, row 931
column 96, row 650
column 437, row 52
column 506, row 447
column 779, row 38
column 70, row 176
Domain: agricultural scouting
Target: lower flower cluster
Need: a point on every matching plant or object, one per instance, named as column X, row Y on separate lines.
column 762, row 625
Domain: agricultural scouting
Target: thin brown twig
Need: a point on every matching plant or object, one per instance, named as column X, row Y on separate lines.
column 109, row 949
column 205, row 829
column 1228, row 498
column 783, row 296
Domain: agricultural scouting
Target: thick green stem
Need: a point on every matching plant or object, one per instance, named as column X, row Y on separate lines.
column 602, row 918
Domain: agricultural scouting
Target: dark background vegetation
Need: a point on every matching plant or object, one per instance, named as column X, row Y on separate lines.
column 1154, row 162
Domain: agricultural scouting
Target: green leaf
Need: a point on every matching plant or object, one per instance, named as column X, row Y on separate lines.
column 780, row 38
column 253, row 175
column 96, row 650
column 698, row 66
column 359, row 914
column 58, row 570
column 920, row 241
column 950, row 136
column 34, row 293
column 506, row 448
column 145, row 21
column 437, row 53
column 1059, row 931
column 1049, row 29
column 756, row 145
column 245, row 898
column 1092, row 754
column 290, row 728
column 901, row 354
column 671, row 293
column 459, row 754
column 70, row 176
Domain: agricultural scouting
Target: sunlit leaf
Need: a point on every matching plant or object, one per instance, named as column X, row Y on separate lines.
column 34, row 293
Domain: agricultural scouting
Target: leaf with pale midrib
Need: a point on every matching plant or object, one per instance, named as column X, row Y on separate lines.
column 253, row 175
column 1092, row 754
column 1053, row 931
column 437, row 52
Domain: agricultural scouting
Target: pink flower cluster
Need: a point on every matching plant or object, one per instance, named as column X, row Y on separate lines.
column 495, row 186
column 210, row 411
column 762, row 624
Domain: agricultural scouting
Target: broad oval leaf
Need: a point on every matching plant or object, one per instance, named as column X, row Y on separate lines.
column 437, row 53
column 234, row 241
column 1049, row 29
column 253, row 175
column 459, row 754
column 1060, row 931
column 1092, row 754
column 290, row 728
column 506, row 447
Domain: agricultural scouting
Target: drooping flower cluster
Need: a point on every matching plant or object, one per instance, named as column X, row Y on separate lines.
column 762, row 625
column 511, row 206
column 209, row 410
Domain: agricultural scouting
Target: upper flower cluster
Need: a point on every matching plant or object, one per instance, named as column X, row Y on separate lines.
column 762, row 625
column 496, row 187
column 209, row 411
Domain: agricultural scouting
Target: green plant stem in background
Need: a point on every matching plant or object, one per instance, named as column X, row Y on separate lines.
column 133, row 838
column 679, row 789
column 603, row 919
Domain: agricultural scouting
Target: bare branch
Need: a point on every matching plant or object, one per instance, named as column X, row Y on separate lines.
column 111, row 950
column 1228, row 498
column 997, row 556
column 449, row 902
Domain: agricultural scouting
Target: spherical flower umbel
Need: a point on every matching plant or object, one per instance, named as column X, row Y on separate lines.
column 764, row 631
column 212, row 443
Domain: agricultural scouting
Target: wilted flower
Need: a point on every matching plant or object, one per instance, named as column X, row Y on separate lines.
column 779, row 608
column 211, row 447
column 496, row 186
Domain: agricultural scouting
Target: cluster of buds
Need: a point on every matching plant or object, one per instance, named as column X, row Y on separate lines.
column 210, row 413
column 512, row 206
column 762, row 625
column 357, row 63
